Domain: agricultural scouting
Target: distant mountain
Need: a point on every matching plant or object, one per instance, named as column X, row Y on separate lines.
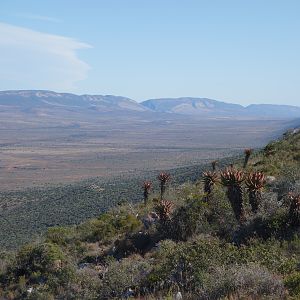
column 32, row 100
column 276, row 111
column 214, row 108
column 43, row 104
column 188, row 105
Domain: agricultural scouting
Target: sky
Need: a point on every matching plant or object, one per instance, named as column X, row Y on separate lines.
column 242, row 51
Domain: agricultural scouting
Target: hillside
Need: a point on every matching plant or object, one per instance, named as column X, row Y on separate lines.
column 229, row 234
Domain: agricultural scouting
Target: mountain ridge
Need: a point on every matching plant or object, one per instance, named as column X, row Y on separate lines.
column 39, row 101
column 43, row 98
column 206, row 106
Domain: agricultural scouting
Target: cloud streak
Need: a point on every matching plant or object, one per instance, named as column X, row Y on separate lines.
column 35, row 60
column 38, row 17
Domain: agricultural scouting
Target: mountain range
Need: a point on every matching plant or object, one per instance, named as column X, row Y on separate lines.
column 42, row 103
column 209, row 107
column 47, row 99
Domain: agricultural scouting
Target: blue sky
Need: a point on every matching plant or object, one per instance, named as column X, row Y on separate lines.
column 244, row 51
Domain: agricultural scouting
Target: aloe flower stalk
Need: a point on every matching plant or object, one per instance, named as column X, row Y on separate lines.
column 247, row 153
column 232, row 179
column 255, row 182
column 163, row 178
column 147, row 187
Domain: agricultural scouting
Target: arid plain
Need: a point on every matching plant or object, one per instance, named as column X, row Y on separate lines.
column 63, row 152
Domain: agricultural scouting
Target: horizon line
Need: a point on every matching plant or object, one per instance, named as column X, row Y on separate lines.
column 160, row 98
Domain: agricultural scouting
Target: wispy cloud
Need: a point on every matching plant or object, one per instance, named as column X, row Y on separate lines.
column 32, row 59
column 37, row 17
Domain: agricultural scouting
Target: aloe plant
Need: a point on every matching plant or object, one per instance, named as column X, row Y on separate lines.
column 209, row 179
column 147, row 187
column 163, row 179
column 294, row 213
column 255, row 182
column 164, row 210
column 247, row 153
column 232, row 179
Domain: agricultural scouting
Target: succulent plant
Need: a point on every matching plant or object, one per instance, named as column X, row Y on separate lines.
column 214, row 165
column 164, row 210
column 294, row 213
column 232, row 179
column 163, row 179
column 147, row 187
column 209, row 179
column 247, row 153
column 255, row 182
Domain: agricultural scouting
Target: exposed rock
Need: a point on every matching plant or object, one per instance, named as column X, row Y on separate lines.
column 178, row 296
column 270, row 179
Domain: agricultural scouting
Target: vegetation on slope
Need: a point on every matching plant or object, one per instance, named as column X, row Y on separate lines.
column 27, row 214
column 234, row 234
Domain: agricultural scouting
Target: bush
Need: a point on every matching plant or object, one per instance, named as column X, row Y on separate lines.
column 292, row 282
column 136, row 243
column 59, row 235
column 242, row 282
column 264, row 228
column 107, row 226
column 188, row 220
column 270, row 254
column 40, row 258
column 185, row 264
column 122, row 276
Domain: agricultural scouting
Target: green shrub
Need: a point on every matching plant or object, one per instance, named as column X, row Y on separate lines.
column 122, row 275
column 189, row 220
column 108, row 226
column 263, row 227
column 101, row 229
column 270, row 254
column 292, row 283
column 127, row 223
column 241, row 282
column 186, row 264
column 59, row 235
column 40, row 258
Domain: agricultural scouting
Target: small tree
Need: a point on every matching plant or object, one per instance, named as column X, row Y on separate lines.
column 232, row 179
column 255, row 182
column 163, row 178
